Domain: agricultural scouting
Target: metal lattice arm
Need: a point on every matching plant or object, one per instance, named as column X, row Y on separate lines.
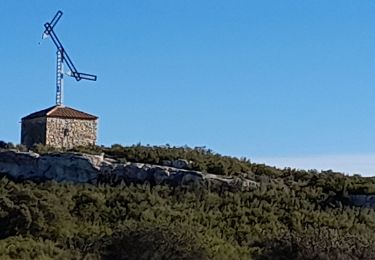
column 73, row 70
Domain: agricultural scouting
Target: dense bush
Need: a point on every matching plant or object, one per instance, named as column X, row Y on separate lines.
column 292, row 215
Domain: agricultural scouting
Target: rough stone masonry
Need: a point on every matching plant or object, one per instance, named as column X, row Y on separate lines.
column 68, row 133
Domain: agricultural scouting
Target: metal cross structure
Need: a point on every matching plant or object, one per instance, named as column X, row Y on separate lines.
column 62, row 57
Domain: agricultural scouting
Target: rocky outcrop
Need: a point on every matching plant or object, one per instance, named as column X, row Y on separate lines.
column 179, row 164
column 84, row 168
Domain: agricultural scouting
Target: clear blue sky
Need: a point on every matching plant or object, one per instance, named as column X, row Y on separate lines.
column 261, row 79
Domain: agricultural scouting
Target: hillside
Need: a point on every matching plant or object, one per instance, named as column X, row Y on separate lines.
column 292, row 214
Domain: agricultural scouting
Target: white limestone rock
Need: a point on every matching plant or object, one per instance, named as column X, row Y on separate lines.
column 85, row 168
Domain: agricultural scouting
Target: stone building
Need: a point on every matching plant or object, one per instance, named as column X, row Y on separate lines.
column 59, row 126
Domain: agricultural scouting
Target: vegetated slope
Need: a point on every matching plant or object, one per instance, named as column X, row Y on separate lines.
column 292, row 215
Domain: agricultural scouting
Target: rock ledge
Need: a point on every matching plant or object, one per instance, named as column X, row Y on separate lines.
column 94, row 169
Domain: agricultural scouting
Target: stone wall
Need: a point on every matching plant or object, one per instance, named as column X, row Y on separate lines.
column 69, row 133
column 33, row 131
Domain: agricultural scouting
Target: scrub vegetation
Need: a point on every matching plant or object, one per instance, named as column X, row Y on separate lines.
column 293, row 214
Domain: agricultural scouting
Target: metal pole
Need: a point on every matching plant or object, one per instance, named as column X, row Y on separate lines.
column 59, row 77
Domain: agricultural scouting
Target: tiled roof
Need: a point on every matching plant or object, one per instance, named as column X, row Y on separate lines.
column 61, row 112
